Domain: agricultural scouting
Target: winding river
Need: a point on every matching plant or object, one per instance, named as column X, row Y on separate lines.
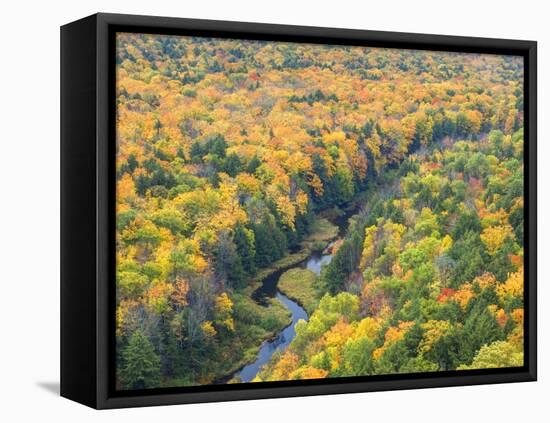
column 269, row 290
column 279, row 343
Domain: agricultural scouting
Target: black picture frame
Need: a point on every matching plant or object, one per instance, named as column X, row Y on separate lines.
column 87, row 210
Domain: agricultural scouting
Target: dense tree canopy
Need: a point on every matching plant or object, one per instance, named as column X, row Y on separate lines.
column 227, row 150
column 437, row 288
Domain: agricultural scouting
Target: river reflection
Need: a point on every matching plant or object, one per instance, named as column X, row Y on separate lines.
column 315, row 263
column 280, row 343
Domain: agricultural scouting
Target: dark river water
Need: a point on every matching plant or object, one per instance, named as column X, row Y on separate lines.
column 279, row 343
column 316, row 261
column 269, row 290
column 284, row 338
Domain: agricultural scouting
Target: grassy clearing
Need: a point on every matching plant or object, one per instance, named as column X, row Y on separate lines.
column 271, row 320
column 322, row 232
column 254, row 324
column 257, row 323
column 297, row 284
column 284, row 263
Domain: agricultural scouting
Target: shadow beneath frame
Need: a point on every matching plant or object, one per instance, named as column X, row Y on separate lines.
column 51, row 387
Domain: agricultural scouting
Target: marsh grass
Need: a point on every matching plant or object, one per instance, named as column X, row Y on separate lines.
column 298, row 285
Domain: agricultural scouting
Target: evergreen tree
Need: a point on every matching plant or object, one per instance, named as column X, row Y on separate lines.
column 345, row 261
column 271, row 243
column 246, row 249
column 253, row 164
column 232, row 165
column 141, row 364
column 228, row 265
column 469, row 256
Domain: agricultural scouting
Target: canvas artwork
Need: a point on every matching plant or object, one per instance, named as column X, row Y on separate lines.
column 291, row 211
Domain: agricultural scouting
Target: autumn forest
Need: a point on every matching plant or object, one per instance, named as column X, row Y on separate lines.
column 291, row 211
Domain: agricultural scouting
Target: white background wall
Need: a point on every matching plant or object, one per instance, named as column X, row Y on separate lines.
column 29, row 210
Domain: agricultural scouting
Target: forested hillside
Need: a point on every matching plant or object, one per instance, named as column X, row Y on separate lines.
column 228, row 153
column 431, row 278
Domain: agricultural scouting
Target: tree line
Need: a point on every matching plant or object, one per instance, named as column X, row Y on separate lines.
column 228, row 149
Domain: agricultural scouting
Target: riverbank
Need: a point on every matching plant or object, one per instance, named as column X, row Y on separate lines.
column 322, row 233
column 257, row 324
column 279, row 342
column 298, row 285
column 263, row 291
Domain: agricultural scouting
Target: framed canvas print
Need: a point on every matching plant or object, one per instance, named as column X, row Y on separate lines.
column 255, row 211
